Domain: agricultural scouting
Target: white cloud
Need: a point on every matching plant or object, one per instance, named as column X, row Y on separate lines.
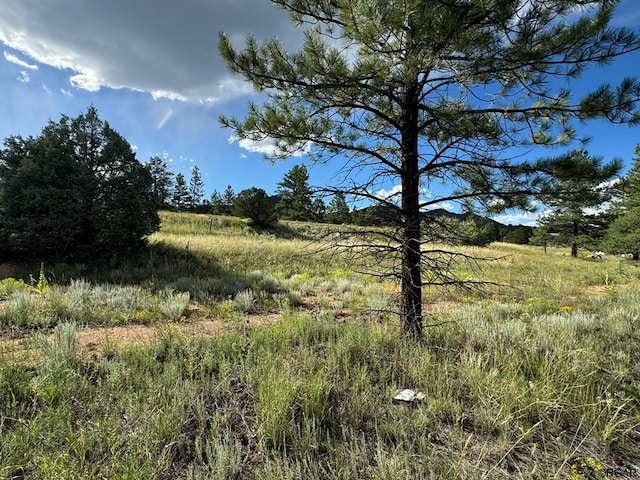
column 529, row 219
column 165, row 48
column 448, row 206
column 268, row 146
column 66, row 93
column 45, row 88
column 390, row 195
column 13, row 59
column 89, row 81
column 24, row 77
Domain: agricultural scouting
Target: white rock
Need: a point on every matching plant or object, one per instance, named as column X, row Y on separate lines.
column 408, row 395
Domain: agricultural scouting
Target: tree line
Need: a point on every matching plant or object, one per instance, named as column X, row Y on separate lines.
column 77, row 191
column 294, row 199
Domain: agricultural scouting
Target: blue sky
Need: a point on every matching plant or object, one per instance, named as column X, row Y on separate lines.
column 152, row 70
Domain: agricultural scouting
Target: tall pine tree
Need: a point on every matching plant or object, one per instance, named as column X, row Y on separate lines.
column 196, row 189
column 338, row 209
column 582, row 185
column 162, row 181
column 295, row 195
column 408, row 92
column 76, row 192
column 180, row 199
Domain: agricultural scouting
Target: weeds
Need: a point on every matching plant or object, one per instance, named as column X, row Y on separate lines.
column 246, row 301
column 174, row 305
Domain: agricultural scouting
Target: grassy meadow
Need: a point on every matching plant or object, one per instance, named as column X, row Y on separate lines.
column 226, row 352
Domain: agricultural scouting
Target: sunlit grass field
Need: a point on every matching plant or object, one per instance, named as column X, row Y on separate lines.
column 535, row 376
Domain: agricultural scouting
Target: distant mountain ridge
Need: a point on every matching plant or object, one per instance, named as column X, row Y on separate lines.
column 389, row 214
column 385, row 215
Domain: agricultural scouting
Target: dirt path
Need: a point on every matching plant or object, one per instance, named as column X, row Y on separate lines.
column 98, row 340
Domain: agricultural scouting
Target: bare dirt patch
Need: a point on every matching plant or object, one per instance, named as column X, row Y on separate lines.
column 596, row 289
column 91, row 341
column 95, row 339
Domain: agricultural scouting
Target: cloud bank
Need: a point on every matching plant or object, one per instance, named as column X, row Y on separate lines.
column 163, row 47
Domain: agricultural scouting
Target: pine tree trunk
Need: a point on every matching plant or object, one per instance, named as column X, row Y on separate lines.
column 411, row 280
column 411, row 284
column 574, row 245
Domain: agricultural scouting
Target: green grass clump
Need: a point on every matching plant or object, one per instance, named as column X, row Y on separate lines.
column 87, row 304
column 9, row 286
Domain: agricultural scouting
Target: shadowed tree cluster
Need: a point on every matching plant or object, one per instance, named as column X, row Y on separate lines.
column 174, row 192
column 75, row 192
column 255, row 204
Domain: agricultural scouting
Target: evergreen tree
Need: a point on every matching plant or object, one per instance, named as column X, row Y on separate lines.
column 580, row 186
column 222, row 204
column 319, row 209
column 228, row 199
column 125, row 209
column 45, row 201
column 520, row 234
column 217, row 206
column 403, row 92
column 295, row 195
column 180, row 198
column 162, row 181
column 196, row 189
column 84, row 194
column 255, row 204
column 338, row 209
column 623, row 235
column 541, row 237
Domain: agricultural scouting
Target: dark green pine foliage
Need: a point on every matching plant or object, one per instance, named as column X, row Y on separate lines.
column 255, row 204
column 162, row 181
column 76, row 192
column 295, row 195
column 338, row 210
column 45, row 198
column 583, row 184
column 123, row 207
column 623, row 235
column 221, row 204
column 228, row 199
column 196, row 190
column 417, row 93
column 520, row 234
column 180, row 199
column 541, row 236
column 217, row 206
column 123, row 222
column 318, row 209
